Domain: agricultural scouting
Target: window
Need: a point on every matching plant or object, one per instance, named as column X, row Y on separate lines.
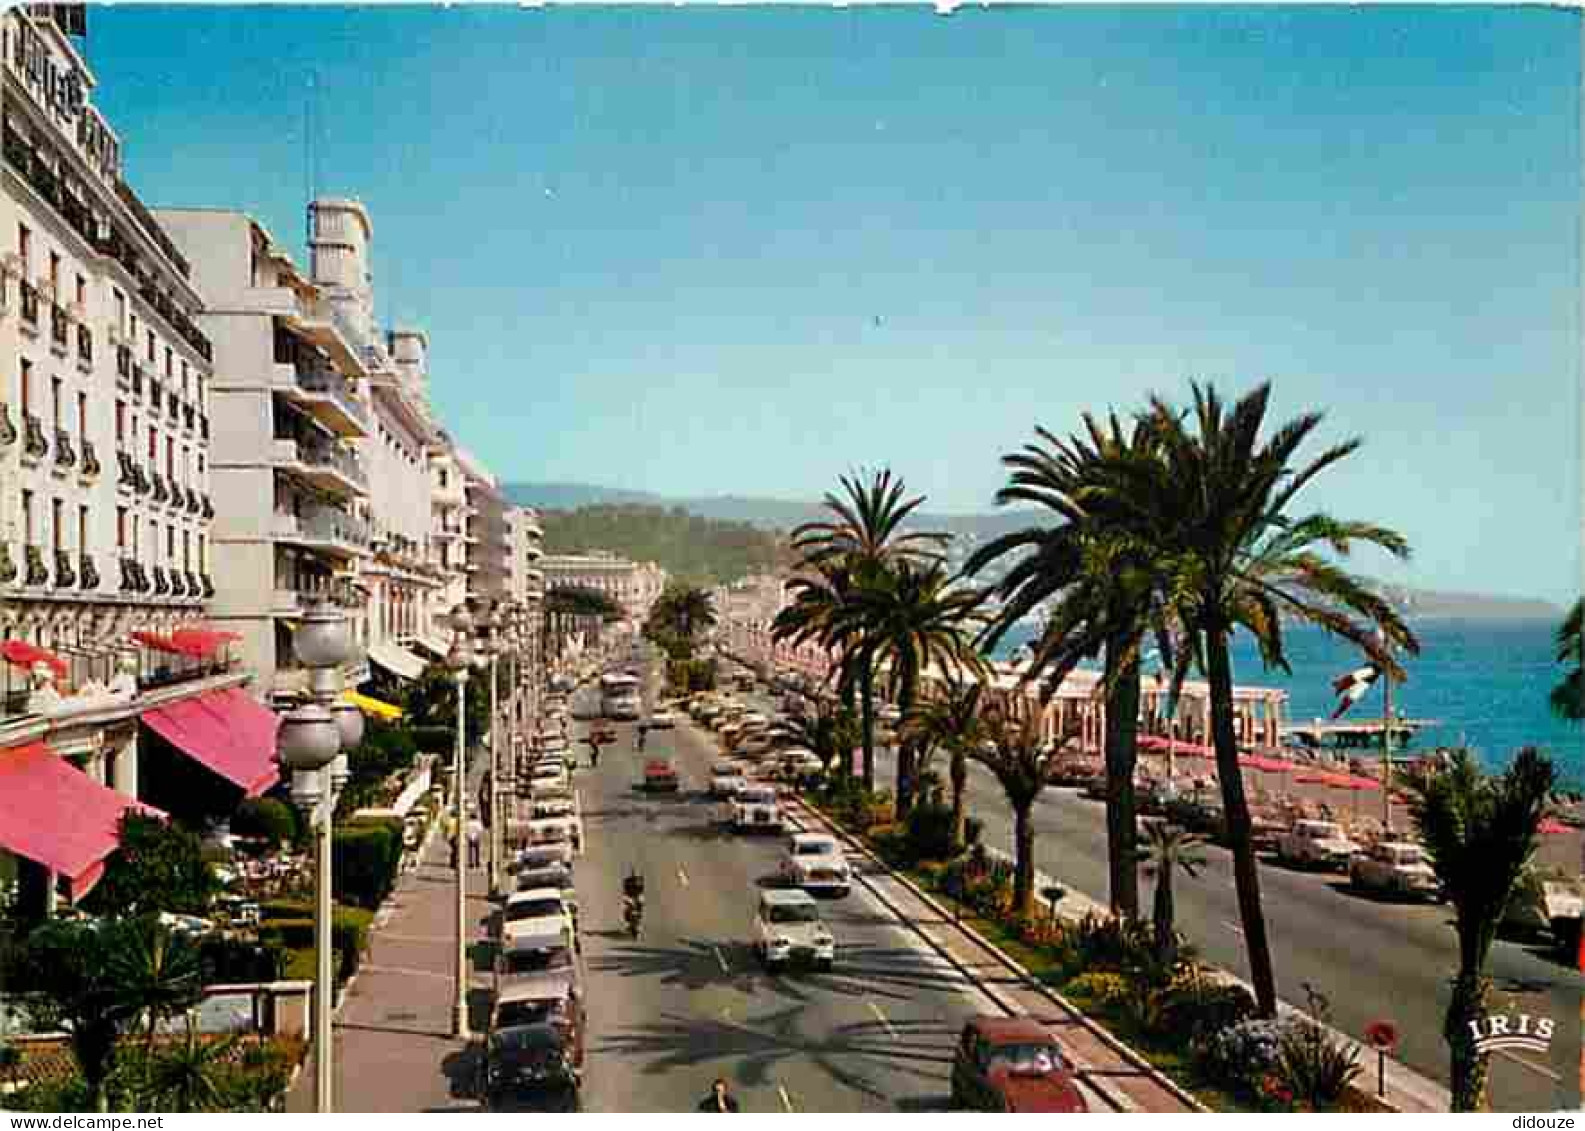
column 25, row 248
column 55, row 274
column 27, row 386
column 170, row 542
column 168, row 363
column 27, row 517
column 154, row 542
column 55, row 401
column 200, row 465
column 203, row 555
column 187, row 464
column 187, row 558
column 121, row 528
column 170, row 459
column 151, row 346
column 121, row 313
column 82, row 293
column 136, row 541
column 132, row 338
column 121, row 423
column 82, row 415
column 57, row 527
column 154, row 448
column 185, row 389
column 82, row 529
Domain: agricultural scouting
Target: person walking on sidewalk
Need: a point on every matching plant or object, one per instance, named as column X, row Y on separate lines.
column 475, row 840
column 719, row 1099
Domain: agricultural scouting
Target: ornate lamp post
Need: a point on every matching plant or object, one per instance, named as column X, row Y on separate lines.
column 460, row 661
column 489, row 628
column 311, row 743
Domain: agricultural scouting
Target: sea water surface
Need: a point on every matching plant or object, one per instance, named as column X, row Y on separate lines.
column 1485, row 681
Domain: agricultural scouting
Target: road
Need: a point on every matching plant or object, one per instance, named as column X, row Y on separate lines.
column 688, row 1001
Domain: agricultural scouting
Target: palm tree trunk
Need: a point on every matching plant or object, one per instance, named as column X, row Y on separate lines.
column 867, row 718
column 1246, row 875
column 1122, row 824
column 960, row 777
column 1162, row 912
column 1469, row 1067
column 907, row 762
column 1024, row 860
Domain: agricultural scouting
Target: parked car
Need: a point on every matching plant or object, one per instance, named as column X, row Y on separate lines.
column 1012, row 1064
column 787, row 928
column 726, row 778
column 529, row 1058
column 1320, row 844
column 541, row 914
column 662, row 720
column 1543, row 902
column 816, row 863
column 557, row 876
column 756, row 807
column 534, row 856
column 1395, row 868
column 659, row 777
column 551, row 830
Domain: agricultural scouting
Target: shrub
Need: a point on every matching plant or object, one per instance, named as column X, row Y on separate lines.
column 1103, row 988
column 434, row 739
column 366, row 857
column 1312, row 1064
column 236, row 960
column 265, row 817
column 349, row 935
column 1106, row 942
column 1243, row 1055
column 928, row 831
column 1196, row 1008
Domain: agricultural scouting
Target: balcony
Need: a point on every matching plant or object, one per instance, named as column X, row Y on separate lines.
column 59, row 328
column 188, row 416
column 332, row 470
column 124, row 362
column 162, row 587
column 30, row 305
column 8, row 431
column 326, row 396
column 65, row 575
column 209, row 507
column 137, row 380
column 324, row 529
column 65, row 454
column 173, row 405
column 37, row 573
column 87, row 572
column 161, row 494
column 85, row 346
column 8, row 565
column 90, row 465
column 34, row 444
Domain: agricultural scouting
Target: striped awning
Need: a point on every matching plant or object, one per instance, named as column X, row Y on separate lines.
column 396, row 659
column 369, row 705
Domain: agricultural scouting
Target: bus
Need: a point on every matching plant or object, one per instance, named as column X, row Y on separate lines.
column 619, row 695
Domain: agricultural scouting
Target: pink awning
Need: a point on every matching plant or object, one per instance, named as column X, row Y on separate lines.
column 25, row 655
column 58, row 816
column 226, row 731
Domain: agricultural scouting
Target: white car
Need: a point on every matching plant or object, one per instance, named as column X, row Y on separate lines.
column 726, row 779
column 533, row 856
column 662, row 720
column 787, row 928
column 1395, row 868
column 756, row 807
column 556, row 830
column 816, row 862
column 553, row 743
column 1316, row 843
column 797, row 762
column 539, row 913
column 548, row 775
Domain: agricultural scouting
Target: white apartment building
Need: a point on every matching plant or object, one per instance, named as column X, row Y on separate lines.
column 448, row 533
column 633, row 585
column 525, row 580
column 106, row 394
column 290, row 404
column 486, row 541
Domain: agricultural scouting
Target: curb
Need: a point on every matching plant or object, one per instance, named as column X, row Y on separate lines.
column 1117, row 1100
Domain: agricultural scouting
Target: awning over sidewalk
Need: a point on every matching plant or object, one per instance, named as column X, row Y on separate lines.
column 226, row 731
column 369, row 705
column 435, row 646
column 395, row 659
column 202, row 642
column 58, row 816
column 25, row 655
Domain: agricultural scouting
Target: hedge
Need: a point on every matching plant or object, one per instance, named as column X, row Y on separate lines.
column 366, row 856
column 265, row 817
column 226, row 960
column 349, row 935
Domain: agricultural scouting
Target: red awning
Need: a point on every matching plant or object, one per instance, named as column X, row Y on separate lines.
column 226, row 731
column 58, row 816
column 201, row 642
column 160, row 643
column 25, row 655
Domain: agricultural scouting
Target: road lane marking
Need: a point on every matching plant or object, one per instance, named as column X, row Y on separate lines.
column 1530, row 1064
column 786, row 1101
column 682, row 877
column 721, row 958
column 881, row 1017
column 1232, row 926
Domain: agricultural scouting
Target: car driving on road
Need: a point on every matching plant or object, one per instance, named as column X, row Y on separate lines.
column 660, row 777
column 755, row 807
column 1395, row 868
column 1012, row 1064
column 788, row 929
column 727, row 778
column 815, row 862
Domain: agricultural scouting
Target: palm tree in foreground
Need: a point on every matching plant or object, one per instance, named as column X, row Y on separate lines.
column 1479, row 833
column 1568, row 697
column 1018, row 756
column 913, row 623
column 863, row 536
column 1100, row 580
column 1168, row 849
column 950, row 720
column 1212, row 508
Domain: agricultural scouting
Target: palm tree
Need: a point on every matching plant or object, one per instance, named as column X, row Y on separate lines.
column 911, row 620
column 1479, row 833
column 1167, row 849
column 864, row 535
column 824, row 728
column 817, row 596
column 1101, row 582
column 157, row 973
column 951, row 720
column 191, row 1075
column 1015, row 752
column 1568, row 697
column 565, row 606
column 1211, row 505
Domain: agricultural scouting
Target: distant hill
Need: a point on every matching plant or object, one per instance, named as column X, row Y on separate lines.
column 689, row 547
column 767, row 515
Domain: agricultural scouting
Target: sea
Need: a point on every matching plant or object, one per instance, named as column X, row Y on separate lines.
column 1486, row 682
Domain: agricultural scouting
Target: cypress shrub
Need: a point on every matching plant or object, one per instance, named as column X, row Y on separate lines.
column 265, row 817
column 366, row 856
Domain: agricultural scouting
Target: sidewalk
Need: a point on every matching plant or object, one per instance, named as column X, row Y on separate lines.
column 393, row 1045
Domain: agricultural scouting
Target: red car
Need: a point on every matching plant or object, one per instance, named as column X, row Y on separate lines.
column 659, row 777
column 1012, row 1064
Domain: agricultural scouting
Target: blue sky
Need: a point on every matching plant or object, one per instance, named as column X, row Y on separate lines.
column 707, row 251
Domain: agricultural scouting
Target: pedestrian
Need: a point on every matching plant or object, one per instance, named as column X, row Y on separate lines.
column 719, row 1099
column 475, row 840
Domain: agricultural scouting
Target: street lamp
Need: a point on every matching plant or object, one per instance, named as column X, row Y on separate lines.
column 459, row 661
column 490, row 626
column 312, row 744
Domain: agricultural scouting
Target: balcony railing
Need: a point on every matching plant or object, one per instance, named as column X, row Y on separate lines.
column 85, row 344
column 58, row 325
column 87, row 572
column 65, row 454
column 333, row 525
column 34, row 443
column 123, row 361
column 8, row 565
column 335, row 386
column 323, row 455
column 65, row 575
column 8, row 431
column 37, row 572
column 137, row 380
column 30, row 303
column 157, row 481
column 91, row 466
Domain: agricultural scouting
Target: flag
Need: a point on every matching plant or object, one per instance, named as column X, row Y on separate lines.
column 1351, row 688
